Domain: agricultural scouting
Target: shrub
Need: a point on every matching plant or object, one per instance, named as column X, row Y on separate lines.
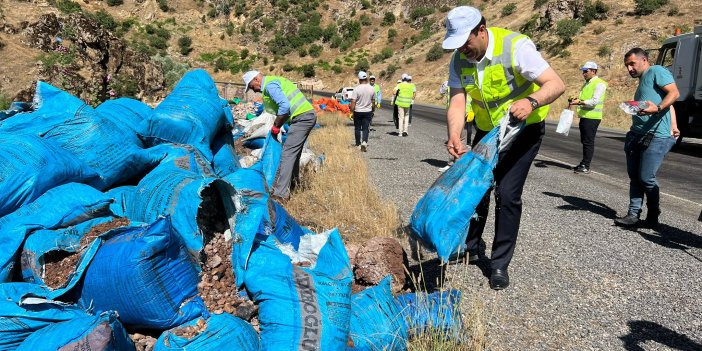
column 361, row 65
column 265, row 61
column 391, row 69
column 647, row 7
column 508, row 9
column 288, row 67
column 5, row 101
column 308, row 70
column 301, row 51
column 539, row 3
column 594, row 11
column 392, row 33
column 673, row 11
column 172, row 71
column 267, row 23
column 365, row 4
column 464, row 3
column 184, row 43
column 599, row 30
column 105, row 20
column 435, row 53
column 619, row 21
column 315, row 50
column 532, row 26
column 230, row 29
column 388, row 19
column 365, row 20
column 67, row 6
column 604, row 51
column 420, row 12
column 564, row 53
column 566, row 29
column 409, row 60
column 244, row 53
column 163, row 5
column 114, row 2
column 336, row 69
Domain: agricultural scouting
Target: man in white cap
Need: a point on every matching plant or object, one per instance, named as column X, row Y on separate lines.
column 500, row 70
column 362, row 104
column 404, row 96
column 282, row 98
column 376, row 88
column 590, row 105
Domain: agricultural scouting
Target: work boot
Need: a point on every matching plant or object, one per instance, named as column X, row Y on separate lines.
column 652, row 219
column 627, row 221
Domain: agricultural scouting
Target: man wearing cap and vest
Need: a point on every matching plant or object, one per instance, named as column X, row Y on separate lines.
column 282, row 98
column 394, row 106
column 376, row 88
column 590, row 105
column 403, row 99
column 500, row 70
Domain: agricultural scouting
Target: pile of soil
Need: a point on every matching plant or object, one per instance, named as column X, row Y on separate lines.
column 191, row 331
column 59, row 266
column 217, row 285
column 377, row 258
column 143, row 342
column 240, row 149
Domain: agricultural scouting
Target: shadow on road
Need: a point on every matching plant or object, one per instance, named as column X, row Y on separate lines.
column 580, row 204
column 642, row 331
column 392, row 133
column 434, row 162
column 546, row 163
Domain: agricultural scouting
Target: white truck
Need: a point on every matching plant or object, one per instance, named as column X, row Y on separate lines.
column 682, row 55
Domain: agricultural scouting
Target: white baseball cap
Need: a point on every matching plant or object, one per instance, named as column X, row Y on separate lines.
column 409, row 77
column 588, row 65
column 404, row 76
column 362, row 75
column 399, row 80
column 248, row 77
column 459, row 22
column 371, row 77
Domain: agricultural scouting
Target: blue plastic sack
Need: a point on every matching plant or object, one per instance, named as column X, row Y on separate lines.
column 441, row 218
column 222, row 332
column 125, row 111
column 438, row 311
column 15, row 108
column 192, row 114
column 255, row 144
column 43, row 243
column 59, row 207
column 302, row 308
column 376, row 320
column 285, row 228
column 225, row 160
column 31, row 166
column 23, row 310
column 259, row 108
column 146, row 274
column 103, row 333
column 108, row 146
column 270, row 159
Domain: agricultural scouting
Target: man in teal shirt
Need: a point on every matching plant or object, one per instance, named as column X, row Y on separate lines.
column 650, row 137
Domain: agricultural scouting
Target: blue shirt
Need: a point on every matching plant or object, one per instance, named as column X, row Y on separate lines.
column 276, row 93
column 650, row 88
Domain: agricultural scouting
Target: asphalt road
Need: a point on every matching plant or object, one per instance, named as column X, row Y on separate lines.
column 577, row 281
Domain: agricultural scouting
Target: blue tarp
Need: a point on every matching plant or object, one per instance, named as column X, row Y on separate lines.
column 146, row 274
column 126, row 111
column 60, row 207
column 441, row 218
column 103, row 333
column 222, row 332
column 438, row 311
column 192, row 114
column 301, row 308
column 225, row 160
column 31, row 166
column 376, row 320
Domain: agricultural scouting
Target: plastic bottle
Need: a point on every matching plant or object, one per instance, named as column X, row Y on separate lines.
column 633, row 107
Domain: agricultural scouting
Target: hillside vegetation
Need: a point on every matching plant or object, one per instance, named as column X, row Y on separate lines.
column 325, row 42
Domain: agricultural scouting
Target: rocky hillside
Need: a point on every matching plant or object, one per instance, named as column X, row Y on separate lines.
column 97, row 49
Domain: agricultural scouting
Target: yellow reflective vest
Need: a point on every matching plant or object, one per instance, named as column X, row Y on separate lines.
column 501, row 84
column 297, row 100
column 405, row 94
column 588, row 90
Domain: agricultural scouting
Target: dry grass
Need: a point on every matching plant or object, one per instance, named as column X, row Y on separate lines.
column 340, row 194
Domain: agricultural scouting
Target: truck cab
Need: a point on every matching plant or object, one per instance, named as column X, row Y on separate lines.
column 682, row 56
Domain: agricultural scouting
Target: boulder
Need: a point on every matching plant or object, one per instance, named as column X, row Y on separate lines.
column 557, row 10
column 377, row 258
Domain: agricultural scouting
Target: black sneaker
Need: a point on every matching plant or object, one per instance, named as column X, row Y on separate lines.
column 404, row 134
column 628, row 221
column 581, row 169
column 460, row 257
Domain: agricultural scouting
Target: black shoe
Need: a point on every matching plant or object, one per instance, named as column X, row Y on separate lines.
column 628, row 221
column 499, row 279
column 460, row 257
column 404, row 134
column 652, row 219
column 581, row 169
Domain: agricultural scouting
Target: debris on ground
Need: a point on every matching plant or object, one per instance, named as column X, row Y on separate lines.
column 143, row 342
column 377, row 258
column 59, row 268
column 217, row 285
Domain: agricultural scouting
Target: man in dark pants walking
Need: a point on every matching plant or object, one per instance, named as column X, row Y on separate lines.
column 590, row 105
column 502, row 72
column 363, row 105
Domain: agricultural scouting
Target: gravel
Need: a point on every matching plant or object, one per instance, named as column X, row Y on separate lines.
column 577, row 281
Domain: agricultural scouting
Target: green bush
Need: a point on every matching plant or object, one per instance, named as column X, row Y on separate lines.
column 388, row 19
column 163, row 5
column 335, row 41
column 288, row 67
column 594, row 11
column 361, row 65
column 307, row 70
column 392, row 33
column 391, row 69
column 67, row 6
column 409, row 60
column 365, row 4
column 464, row 3
column 184, row 43
column 267, row 23
column 172, row 70
column 265, row 61
column 244, row 53
column 619, row 21
column 420, row 12
column 564, row 53
column 604, row 51
column 301, row 51
column 539, row 3
column 105, row 20
column 5, row 101
column 230, row 29
column 435, row 53
column 673, row 11
column 315, row 50
column 567, row 29
column 365, row 20
column 647, row 7
column 508, row 9
column 532, row 26
column 599, row 30
column 336, row 69
column 114, row 2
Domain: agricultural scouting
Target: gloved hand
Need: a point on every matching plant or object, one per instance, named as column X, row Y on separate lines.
column 378, row 105
column 351, row 115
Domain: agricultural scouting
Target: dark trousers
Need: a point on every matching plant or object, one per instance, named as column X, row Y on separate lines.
column 588, row 129
column 510, row 175
column 410, row 115
column 361, row 123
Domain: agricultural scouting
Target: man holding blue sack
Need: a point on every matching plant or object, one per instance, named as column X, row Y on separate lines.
column 500, row 70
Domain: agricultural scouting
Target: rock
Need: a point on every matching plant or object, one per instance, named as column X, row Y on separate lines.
column 246, row 311
column 557, row 10
column 214, row 261
column 379, row 257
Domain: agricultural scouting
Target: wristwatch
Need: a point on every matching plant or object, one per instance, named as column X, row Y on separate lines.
column 659, row 108
column 533, row 102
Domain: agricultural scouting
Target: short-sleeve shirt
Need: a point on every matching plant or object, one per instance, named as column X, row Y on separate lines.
column 363, row 94
column 650, row 88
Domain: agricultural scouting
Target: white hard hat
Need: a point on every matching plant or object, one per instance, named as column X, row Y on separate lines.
column 248, row 77
column 362, row 75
